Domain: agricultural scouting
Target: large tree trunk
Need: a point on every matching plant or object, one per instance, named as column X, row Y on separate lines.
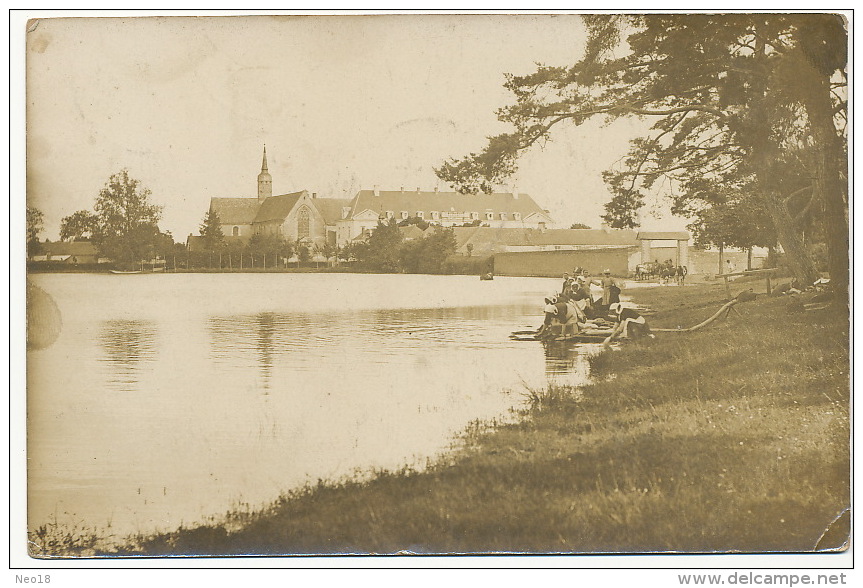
column 796, row 256
column 762, row 160
column 831, row 163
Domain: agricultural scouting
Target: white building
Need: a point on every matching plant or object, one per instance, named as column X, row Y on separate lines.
column 339, row 221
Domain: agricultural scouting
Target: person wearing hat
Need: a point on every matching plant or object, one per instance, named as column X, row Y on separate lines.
column 610, row 289
column 566, row 314
column 630, row 324
column 580, row 293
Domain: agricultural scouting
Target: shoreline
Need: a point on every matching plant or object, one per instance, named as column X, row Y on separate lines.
column 735, row 438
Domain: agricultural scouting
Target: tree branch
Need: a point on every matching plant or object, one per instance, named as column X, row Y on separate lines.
column 690, row 108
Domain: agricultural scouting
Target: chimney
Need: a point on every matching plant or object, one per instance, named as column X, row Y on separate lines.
column 314, row 194
column 435, row 189
column 418, row 189
column 515, row 191
column 377, row 192
column 402, row 189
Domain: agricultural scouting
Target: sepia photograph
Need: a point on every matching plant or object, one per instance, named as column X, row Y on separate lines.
column 436, row 284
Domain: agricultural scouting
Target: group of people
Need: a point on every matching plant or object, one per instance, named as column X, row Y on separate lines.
column 578, row 287
column 574, row 305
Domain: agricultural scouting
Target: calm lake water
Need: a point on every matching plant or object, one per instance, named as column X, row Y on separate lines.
column 168, row 399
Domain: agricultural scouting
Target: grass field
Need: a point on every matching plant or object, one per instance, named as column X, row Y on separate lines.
column 731, row 438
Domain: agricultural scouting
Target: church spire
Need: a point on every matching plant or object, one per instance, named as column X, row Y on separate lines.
column 265, row 180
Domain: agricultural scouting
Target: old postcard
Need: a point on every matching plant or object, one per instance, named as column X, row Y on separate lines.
column 437, row 284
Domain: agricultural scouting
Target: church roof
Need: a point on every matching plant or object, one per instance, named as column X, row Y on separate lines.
column 426, row 202
column 235, row 211
column 277, row 208
column 331, row 208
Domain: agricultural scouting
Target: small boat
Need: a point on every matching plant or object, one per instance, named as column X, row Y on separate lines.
column 595, row 331
column 486, row 276
column 582, row 337
column 125, row 272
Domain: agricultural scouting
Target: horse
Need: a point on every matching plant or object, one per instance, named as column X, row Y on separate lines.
column 666, row 274
column 645, row 271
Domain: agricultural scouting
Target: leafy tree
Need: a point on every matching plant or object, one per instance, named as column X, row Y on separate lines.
column 730, row 97
column 266, row 245
column 414, row 220
column 328, row 250
column 78, row 226
column 164, row 245
column 127, row 223
column 382, row 249
column 410, row 254
column 435, row 250
column 303, row 251
column 211, row 231
column 35, row 220
column 579, row 226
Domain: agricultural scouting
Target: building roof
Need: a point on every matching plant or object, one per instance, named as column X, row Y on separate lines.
column 235, row 211
column 664, row 235
column 491, row 239
column 487, row 240
column 426, row 202
column 584, row 237
column 70, row 248
column 277, row 208
column 411, row 232
column 331, row 208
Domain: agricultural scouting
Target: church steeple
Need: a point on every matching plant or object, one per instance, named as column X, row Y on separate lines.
column 265, row 180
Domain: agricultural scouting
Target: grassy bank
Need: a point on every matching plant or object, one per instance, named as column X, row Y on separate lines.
column 735, row 437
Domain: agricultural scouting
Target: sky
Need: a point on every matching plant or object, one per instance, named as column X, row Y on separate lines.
column 342, row 103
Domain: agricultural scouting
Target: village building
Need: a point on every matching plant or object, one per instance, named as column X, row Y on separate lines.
column 552, row 252
column 447, row 209
column 296, row 216
column 69, row 252
column 302, row 216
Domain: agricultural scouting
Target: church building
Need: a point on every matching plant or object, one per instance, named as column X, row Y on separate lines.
column 339, row 221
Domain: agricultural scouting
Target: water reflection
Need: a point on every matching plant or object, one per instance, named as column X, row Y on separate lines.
column 129, row 346
column 281, row 345
column 566, row 361
column 245, row 396
column 265, row 328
